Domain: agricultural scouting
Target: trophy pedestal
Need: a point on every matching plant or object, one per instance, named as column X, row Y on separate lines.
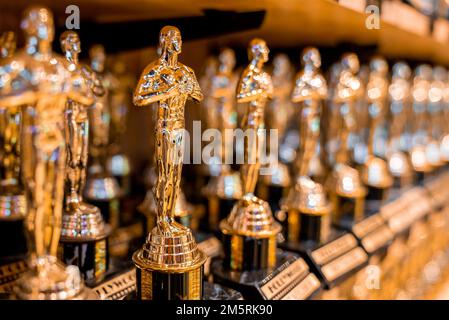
column 91, row 257
column 289, row 279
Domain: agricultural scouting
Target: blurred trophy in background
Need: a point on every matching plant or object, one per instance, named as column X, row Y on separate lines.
column 307, row 210
column 375, row 173
column 84, row 233
column 12, row 194
column 346, row 189
column 224, row 188
column 400, row 103
column 252, row 264
column 102, row 189
column 273, row 186
column 169, row 265
column 420, row 120
column 43, row 153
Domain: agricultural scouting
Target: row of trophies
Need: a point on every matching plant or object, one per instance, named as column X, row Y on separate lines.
column 354, row 206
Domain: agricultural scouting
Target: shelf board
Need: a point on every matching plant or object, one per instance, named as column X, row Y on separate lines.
column 288, row 23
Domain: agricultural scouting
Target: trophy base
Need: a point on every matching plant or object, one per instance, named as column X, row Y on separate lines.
column 91, row 257
column 12, row 233
column 290, row 279
column 163, row 285
column 49, row 279
column 9, row 273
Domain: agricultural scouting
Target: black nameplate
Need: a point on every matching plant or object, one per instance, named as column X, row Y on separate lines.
column 118, row 287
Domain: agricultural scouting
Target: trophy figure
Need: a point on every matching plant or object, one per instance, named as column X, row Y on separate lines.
column 102, row 189
column 306, row 207
column 252, row 265
column 275, row 184
column 43, row 153
column 346, row 189
column 118, row 163
column 375, row 173
column 12, row 194
column 225, row 188
column 84, row 233
column 398, row 161
column 169, row 265
column 420, row 121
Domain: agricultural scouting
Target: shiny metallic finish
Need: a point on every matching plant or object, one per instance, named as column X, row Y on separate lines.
column 375, row 171
column 251, row 218
column 170, row 247
column 81, row 221
column 344, row 182
column 43, row 152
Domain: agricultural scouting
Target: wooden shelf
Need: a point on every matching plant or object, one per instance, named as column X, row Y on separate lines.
column 288, row 23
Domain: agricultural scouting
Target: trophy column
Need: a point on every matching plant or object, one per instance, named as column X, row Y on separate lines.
column 43, row 154
column 84, row 235
column 169, row 265
column 252, row 263
column 375, row 174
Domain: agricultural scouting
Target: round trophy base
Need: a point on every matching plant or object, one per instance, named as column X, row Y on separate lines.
column 161, row 285
column 49, row 279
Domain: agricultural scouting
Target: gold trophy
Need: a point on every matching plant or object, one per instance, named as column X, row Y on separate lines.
column 225, row 188
column 275, row 184
column 84, row 233
column 43, row 153
column 398, row 162
column 375, row 173
column 346, row 189
column 306, row 206
column 169, row 265
column 252, row 264
column 420, row 122
column 12, row 194
column 102, row 189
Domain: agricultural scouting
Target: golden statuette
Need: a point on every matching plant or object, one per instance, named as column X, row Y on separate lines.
column 225, row 187
column 102, row 189
column 170, row 265
column 345, row 184
column 43, row 152
column 81, row 222
column 277, row 117
column 420, row 120
column 375, row 173
column 251, row 219
column 307, row 198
